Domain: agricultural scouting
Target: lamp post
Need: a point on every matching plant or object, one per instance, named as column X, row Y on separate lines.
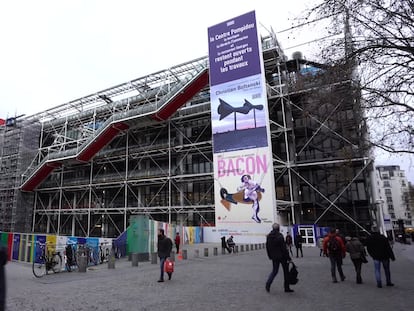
column 380, row 217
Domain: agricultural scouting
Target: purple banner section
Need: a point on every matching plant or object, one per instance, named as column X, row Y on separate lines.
column 233, row 49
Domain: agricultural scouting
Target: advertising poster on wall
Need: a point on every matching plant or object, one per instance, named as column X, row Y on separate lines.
column 243, row 169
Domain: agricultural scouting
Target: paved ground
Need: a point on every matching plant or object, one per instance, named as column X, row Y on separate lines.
column 223, row 282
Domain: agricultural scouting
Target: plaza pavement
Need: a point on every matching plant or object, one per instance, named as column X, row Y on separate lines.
column 222, row 282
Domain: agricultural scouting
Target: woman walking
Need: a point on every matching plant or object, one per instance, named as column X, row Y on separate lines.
column 358, row 255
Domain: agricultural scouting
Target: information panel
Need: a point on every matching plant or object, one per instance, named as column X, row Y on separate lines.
column 243, row 171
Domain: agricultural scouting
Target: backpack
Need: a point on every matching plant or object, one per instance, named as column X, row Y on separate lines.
column 292, row 276
column 333, row 245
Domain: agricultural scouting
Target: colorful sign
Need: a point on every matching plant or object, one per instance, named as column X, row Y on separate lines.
column 243, row 170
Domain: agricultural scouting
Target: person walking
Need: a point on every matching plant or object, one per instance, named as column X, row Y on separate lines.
column 298, row 244
column 357, row 253
column 320, row 245
column 177, row 242
column 164, row 251
column 289, row 243
column 334, row 248
column 224, row 245
column 278, row 253
column 231, row 244
column 381, row 252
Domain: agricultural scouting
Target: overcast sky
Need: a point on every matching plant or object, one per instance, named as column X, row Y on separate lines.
column 56, row 51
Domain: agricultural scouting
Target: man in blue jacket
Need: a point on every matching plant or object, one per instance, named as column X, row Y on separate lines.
column 278, row 253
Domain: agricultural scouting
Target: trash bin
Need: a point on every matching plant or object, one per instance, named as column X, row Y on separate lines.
column 111, row 259
column 154, row 258
column 82, row 263
column 135, row 259
column 82, row 258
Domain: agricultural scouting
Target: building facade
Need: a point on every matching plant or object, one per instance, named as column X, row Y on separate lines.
column 393, row 198
column 144, row 147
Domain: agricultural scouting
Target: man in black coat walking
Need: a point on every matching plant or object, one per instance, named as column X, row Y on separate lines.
column 278, row 253
column 380, row 250
column 164, row 251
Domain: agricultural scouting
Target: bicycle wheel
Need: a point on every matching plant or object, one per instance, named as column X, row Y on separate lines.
column 56, row 263
column 39, row 267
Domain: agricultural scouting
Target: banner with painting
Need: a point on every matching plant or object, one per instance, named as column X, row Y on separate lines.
column 243, row 171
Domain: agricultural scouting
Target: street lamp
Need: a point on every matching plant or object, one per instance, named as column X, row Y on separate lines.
column 380, row 217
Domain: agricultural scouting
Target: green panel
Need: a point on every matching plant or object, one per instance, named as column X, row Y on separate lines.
column 137, row 234
column 4, row 238
column 143, row 225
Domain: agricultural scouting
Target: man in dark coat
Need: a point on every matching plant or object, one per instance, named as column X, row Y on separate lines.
column 379, row 249
column 298, row 245
column 278, row 253
column 224, row 245
column 164, row 251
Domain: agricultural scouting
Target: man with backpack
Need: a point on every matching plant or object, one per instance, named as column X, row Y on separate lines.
column 334, row 248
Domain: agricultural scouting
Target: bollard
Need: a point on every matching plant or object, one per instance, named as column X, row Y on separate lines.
column 255, row 247
column 196, row 253
column 184, row 254
column 134, row 259
column 206, row 252
column 111, row 260
column 215, row 251
column 241, row 248
column 236, row 249
column 247, row 247
column 82, row 263
column 154, row 258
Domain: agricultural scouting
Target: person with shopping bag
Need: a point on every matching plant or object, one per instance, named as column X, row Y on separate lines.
column 164, row 251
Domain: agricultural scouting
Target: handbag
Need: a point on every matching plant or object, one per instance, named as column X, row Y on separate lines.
column 364, row 258
column 292, row 273
column 169, row 266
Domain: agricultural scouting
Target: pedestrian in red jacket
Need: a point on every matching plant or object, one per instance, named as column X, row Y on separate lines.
column 334, row 248
column 177, row 242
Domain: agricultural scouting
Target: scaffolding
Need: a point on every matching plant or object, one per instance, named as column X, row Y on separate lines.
column 18, row 145
column 144, row 147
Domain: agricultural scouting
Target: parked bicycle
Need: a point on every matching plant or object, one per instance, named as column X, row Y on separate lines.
column 47, row 260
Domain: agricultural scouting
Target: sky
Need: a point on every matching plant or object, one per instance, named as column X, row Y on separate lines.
column 54, row 52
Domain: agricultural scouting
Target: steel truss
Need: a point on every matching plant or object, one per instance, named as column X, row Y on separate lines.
column 159, row 163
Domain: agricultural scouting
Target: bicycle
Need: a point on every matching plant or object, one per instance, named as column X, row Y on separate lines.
column 45, row 261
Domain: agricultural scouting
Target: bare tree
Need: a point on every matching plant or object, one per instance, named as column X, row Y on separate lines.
column 378, row 41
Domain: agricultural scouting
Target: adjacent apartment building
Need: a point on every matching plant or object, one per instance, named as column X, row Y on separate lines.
column 393, row 198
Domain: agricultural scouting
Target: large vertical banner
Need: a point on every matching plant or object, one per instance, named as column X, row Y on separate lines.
column 243, row 171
